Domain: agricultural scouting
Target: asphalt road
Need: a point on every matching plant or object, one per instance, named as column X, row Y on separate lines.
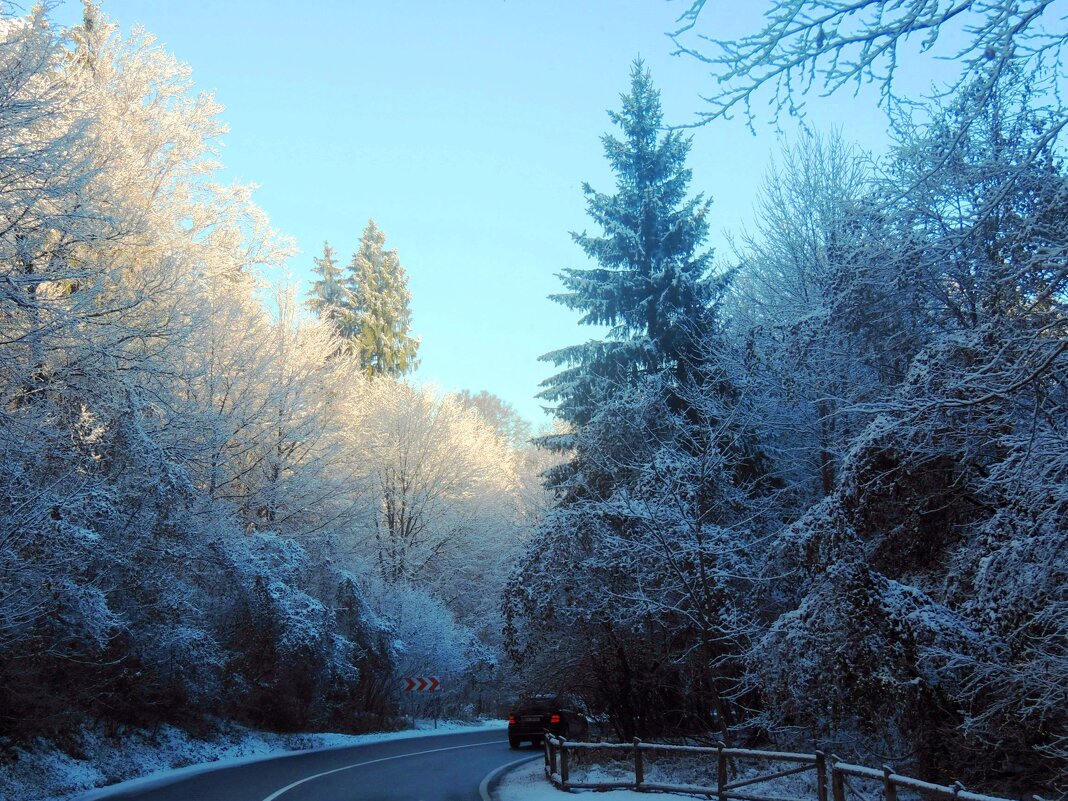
column 444, row 767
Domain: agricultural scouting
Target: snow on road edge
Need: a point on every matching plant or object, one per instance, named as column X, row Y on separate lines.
column 144, row 761
column 528, row 783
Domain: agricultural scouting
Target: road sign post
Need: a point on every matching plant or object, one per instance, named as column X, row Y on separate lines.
column 424, row 684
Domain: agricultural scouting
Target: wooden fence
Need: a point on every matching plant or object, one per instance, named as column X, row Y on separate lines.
column 559, row 759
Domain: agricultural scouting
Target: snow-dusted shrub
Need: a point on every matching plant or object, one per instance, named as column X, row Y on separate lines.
column 640, row 589
column 429, row 641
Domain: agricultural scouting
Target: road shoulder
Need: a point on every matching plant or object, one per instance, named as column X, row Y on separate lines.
column 488, row 788
column 528, row 783
column 266, row 746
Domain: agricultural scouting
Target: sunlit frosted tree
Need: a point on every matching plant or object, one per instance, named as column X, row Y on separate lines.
column 379, row 321
column 330, row 296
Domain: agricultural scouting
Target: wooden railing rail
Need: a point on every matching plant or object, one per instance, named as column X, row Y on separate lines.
column 891, row 781
column 558, row 770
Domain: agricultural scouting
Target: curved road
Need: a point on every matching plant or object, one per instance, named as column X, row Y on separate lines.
column 444, row 767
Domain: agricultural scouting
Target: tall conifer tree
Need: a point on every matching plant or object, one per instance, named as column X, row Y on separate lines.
column 381, row 313
column 650, row 285
column 330, row 297
column 651, row 510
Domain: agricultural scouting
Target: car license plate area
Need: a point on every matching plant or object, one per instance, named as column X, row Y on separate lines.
column 532, row 718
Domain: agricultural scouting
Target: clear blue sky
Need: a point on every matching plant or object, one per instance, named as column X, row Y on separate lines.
column 465, row 129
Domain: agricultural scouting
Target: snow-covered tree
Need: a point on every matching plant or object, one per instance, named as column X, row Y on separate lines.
column 380, row 324
column 500, row 415
column 137, row 442
column 813, row 311
column 655, row 507
column 650, row 285
column 927, row 595
column 439, row 482
column 642, row 594
column 330, row 296
column 430, row 641
column 443, row 518
column 831, row 44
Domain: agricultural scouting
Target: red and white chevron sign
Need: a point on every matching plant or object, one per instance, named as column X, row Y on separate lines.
column 421, row 685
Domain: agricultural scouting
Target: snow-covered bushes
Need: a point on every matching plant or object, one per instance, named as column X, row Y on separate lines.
column 840, row 514
column 927, row 598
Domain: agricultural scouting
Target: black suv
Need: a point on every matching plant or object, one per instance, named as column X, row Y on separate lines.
column 534, row 715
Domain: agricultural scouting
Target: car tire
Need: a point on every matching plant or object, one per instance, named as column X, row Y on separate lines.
column 513, row 742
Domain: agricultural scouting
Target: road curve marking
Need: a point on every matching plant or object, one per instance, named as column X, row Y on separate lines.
column 279, row 793
column 483, row 788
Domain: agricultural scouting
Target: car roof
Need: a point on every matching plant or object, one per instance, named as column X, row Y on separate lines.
column 541, row 699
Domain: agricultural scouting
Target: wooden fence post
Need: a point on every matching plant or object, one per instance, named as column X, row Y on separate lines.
column 721, row 773
column 889, row 788
column 821, row 776
column 837, row 782
column 563, row 766
column 639, row 768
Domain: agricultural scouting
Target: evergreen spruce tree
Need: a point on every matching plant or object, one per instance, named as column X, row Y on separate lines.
column 381, row 316
column 645, row 548
column 650, row 285
column 330, row 297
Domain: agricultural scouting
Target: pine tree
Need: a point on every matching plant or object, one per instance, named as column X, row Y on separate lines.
column 382, row 318
column 650, row 285
column 653, row 508
column 330, row 297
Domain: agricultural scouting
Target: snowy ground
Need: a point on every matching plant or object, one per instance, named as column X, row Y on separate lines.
column 528, row 783
column 49, row 774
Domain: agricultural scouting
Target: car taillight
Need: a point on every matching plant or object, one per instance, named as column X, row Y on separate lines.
column 554, row 719
column 511, row 720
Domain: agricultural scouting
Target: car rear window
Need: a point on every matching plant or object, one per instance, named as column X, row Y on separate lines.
column 539, row 704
